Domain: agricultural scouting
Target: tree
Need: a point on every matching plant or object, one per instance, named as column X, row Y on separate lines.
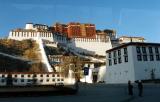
column 73, row 63
column 37, row 67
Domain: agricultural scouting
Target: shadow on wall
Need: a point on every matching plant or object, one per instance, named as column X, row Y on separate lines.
column 8, row 64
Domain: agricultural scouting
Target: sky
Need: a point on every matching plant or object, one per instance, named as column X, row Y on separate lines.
column 128, row 17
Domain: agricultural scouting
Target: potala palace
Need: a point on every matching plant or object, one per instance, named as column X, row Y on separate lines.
column 128, row 58
column 96, row 44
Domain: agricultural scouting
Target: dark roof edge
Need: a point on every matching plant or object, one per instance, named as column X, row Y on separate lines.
column 133, row 43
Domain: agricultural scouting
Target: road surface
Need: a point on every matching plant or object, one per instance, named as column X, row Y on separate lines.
column 97, row 93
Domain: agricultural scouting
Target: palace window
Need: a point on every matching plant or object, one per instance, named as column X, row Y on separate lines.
column 144, row 50
column 22, row 75
column 47, row 75
column 109, row 55
column 119, row 52
column 22, row 80
column 47, row 80
column 156, row 50
column 151, row 58
column 53, row 75
column 119, row 60
column 115, row 61
column 158, row 57
column 114, row 54
column 145, row 58
column 29, row 75
column 139, row 57
column 150, row 50
column 110, row 62
column 53, row 80
column 126, row 58
column 138, row 49
column 34, row 75
column 29, row 80
column 125, row 51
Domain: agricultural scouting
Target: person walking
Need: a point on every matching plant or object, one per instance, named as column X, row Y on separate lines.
column 130, row 88
column 140, row 88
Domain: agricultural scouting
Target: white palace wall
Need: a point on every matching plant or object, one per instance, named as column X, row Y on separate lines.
column 81, row 45
column 90, row 46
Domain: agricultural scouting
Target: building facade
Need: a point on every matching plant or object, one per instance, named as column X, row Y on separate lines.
column 76, row 29
column 133, row 61
column 81, row 38
column 61, row 29
column 127, row 39
column 32, row 78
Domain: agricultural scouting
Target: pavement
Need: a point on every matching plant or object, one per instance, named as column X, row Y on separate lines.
column 98, row 93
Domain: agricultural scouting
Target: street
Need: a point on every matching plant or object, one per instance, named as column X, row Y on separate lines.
column 97, row 93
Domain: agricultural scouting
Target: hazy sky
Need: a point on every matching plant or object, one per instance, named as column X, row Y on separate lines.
column 128, row 17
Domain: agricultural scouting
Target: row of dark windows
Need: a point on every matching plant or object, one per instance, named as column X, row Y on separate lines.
column 150, row 57
column 119, row 53
column 145, row 57
column 144, row 49
column 119, row 60
column 35, row 80
column 53, row 75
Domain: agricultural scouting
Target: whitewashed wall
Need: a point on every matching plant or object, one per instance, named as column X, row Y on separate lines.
column 121, row 73
column 90, row 46
column 143, row 68
column 31, row 35
column 137, row 70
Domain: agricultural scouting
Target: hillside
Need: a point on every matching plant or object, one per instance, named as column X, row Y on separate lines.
column 26, row 49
